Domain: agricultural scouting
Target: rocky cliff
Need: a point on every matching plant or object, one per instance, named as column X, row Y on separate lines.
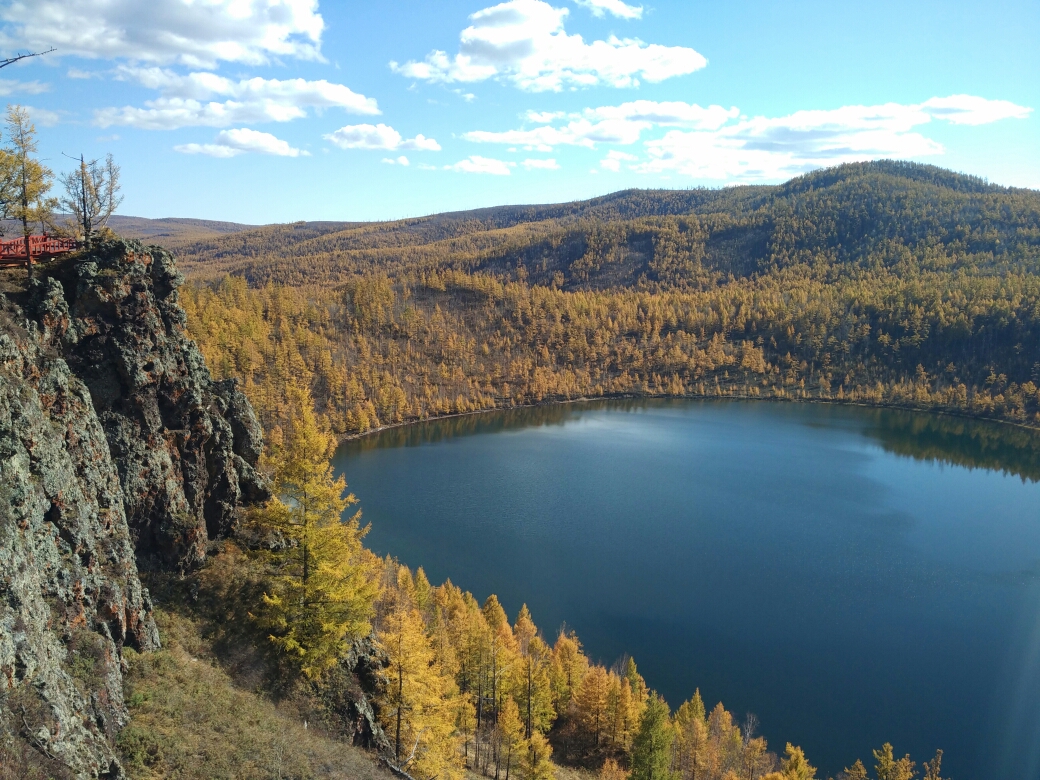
column 113, row 440
column 186, row 447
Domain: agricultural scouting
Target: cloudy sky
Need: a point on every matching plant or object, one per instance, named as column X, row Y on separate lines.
column 275, row 110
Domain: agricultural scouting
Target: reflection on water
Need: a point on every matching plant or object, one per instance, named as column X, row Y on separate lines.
column 955, row 441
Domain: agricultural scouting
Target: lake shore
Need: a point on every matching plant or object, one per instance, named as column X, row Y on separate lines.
column 945, row 412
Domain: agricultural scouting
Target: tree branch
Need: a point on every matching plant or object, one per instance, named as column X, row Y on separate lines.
column 17, row 57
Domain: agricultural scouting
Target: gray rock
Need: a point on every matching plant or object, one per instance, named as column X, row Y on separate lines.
column 70, row 597
column 186, row 447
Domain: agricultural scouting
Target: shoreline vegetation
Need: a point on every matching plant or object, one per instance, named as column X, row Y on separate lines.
column 343, row 438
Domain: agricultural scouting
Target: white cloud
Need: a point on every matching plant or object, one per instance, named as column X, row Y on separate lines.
column 186, row 100
column 673, row 114
column 970, row 110
column 230, row 143
column 614, row 158
column 623, row 124
column 477, row 164
column 763, row 148
column 189, row 32
column 76, row 73
column 544, row 117
column 612, row 7
column 524, row 41
column 12, row 86
column 402, row 160
column 379, row 137
column 718, row 143
column 545, row 165
column 210, row 150
column 43, row 116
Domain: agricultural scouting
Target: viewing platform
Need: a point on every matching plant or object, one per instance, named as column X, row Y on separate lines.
column 41, row 247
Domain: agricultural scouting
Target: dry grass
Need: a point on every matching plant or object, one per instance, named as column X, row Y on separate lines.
column 189, row 720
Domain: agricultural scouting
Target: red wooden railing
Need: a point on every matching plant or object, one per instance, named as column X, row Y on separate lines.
column 12, row 251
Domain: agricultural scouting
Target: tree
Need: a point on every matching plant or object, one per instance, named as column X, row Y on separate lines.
column 417, row 700
column 856, row 772
column 531, row 680
column 91, row 194
column 511, row 733
column 590, row 702
column 30, row 180
column 691, row 726
column 652, row 746
column 569, row 667
column 536, row 764
column 322, row 588
column 795, row 766
column 932, row 768
column 889, row 768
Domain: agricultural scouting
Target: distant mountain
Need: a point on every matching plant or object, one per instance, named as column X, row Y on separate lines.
column 852, row 215
column 173, row 232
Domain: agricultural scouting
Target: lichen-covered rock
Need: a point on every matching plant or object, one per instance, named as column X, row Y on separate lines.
column 70, row 597
column 186, row 447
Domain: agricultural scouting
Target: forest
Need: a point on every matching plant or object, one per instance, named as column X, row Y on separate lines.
column 881, row 283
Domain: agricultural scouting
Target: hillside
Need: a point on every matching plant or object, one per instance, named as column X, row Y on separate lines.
column 855, row 216
column 880, row 283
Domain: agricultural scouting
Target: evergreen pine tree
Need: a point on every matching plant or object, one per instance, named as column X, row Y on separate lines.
column 652, row 746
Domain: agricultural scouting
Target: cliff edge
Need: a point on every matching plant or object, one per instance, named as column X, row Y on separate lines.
column 117, row 449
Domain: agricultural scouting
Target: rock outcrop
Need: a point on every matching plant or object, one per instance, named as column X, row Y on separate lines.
column 70, row 597
column 117, row 450
column 186, row 447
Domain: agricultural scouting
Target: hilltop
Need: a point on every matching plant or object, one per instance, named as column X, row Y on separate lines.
column 855, row 215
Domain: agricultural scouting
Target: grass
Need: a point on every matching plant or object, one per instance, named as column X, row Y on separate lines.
column 189, row 720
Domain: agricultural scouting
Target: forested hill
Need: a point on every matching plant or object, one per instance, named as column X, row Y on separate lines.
column 858, row 216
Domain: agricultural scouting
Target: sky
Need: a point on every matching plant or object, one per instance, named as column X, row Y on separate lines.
column 262, row 111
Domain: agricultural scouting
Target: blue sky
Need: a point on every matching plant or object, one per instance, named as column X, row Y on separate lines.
column 277, row 110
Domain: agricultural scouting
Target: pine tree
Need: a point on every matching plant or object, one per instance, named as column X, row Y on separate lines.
column 590, row 703
column 91, row 195
column 933, row 768
column 322, row 588
column 652, row 746
column 531, row 679
column 569, row 667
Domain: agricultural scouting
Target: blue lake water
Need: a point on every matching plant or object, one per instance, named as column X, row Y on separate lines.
column 851, row 576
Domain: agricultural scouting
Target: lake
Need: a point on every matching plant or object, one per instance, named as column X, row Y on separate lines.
column 851, row 576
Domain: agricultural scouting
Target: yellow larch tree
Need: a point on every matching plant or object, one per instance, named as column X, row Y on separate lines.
column 510, row 736
column 531, row 677
column 590, row 704
column 322, row 589
column 536, row 763
column 417, row 701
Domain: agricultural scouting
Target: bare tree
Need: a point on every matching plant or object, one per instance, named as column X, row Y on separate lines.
column 91, row 194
